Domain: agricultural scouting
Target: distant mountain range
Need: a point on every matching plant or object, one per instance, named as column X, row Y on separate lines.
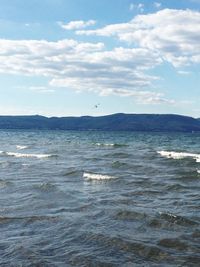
column 114, row 122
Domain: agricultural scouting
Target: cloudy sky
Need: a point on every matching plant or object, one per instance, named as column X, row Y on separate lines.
column 64, row 57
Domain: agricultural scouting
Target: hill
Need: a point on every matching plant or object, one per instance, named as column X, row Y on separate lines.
column 114, row 122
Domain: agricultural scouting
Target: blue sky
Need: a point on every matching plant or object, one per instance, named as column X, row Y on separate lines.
column 62, row 57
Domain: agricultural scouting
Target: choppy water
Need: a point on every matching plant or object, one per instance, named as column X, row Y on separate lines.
column 99, row 199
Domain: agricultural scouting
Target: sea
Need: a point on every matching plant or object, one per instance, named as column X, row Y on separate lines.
column 94, row 198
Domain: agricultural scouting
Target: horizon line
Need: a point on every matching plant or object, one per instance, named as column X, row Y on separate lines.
column 79, row 116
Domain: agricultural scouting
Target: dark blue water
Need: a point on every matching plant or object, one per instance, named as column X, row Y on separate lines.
column 99, row 199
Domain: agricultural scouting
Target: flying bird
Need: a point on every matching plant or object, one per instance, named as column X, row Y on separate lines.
column 97, row 105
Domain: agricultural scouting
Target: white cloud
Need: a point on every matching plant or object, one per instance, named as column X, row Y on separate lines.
column 183, row 72
column 37, row 89
column 137, row 7
column 174, row 34
column 83, row 67
column 141, row 97
column 77, row 24
column 41, row 89
column 157, row 5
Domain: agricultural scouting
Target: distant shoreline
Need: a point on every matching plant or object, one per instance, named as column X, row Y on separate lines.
column 113, row 122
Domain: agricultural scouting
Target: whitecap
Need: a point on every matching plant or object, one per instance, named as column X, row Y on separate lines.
column 106, row 144
column 96, row 176
column 113, row 145
column 198, row 171
column 21, row 147
column 179, row 155
column 21, row 155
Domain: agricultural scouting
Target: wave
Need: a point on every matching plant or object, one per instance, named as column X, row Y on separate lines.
column 110, row 144
column 46, row 187
column 143, row 250
column 117, row 155
column 167, row 220
column 177, row 219
column 128, row 215
column 118, row 164
column 29, row 219
column 173, row 243
column 4, row 183
column 179, row 155
column 21, row 147
column 97, row 176
column 21, row 155
column 72, row 172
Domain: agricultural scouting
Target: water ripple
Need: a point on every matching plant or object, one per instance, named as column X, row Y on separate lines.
column 103, row 199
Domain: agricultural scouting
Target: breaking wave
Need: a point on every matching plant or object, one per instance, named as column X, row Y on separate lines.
column 22, row 155
column 179, row 155
column 110, row 144
column 97, row 176
column 21, row 147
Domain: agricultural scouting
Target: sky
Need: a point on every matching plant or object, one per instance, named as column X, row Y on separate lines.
column 98, row 57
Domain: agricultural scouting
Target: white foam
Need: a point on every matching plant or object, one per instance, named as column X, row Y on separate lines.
column 3, row 184
column 21, row 155
column 97, row 176
column 107, row 144
column 179, row 155
column 21, row 147
column 198, row 171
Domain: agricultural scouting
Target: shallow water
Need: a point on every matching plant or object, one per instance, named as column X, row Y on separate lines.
column 99, row 199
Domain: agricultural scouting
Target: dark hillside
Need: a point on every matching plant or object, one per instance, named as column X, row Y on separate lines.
column 115, row 122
